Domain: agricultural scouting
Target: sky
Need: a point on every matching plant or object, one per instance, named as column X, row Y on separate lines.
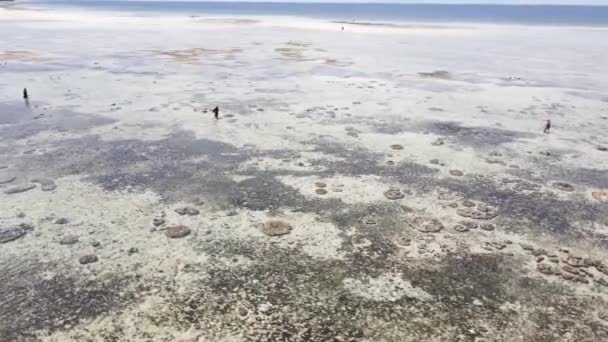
column 502, row 2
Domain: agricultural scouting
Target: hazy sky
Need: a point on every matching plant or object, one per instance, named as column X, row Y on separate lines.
column 519, row 2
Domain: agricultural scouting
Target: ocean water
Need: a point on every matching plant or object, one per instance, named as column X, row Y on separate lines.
column 436, row 13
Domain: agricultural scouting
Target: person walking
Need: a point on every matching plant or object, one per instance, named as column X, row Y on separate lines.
column 25, row 95
column 216, row 112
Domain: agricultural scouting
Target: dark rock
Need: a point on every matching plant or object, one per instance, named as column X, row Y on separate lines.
column 539, row 251
column 487, row 226
column 394, row 194
column 95, row 243
column 567, row 276
column 602, row 148
column 6, row 180
column 353, row 134
column 456, row 173
column 158, row 222
column 390, row 163
column 243, row 311
column 320, row 185
column 46, row 184
column 526, row 247
column 438, row 142
column 12, row 233
column 69, row 240
column 545, row 268
column 603, row 282
column 469, row 224
column 133, row 250
column 575, row 261
column 498, row 245
column 187, row 211
column 397, row 147
column 600, row 266
column 276, row 228
column 563, row 186
column 321, row 191
column 177, row 231
column 570, row 269
column 87, row 259
column 468, row 204
column 487, row 213
column 427, row 225
column 61, row 221
column 460, row 228
column 18, row 189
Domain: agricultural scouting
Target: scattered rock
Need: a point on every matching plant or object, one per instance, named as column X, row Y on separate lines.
column 61, row 220
column 158, row 222
column 602, row 148
column 18, row 189
column 469, row 224
column 438, row 142
column 468, row 204
column 12, row 233
column 133, row 250
column 276, row 228
column 243, row 311
column 69, row 240
column 498, row 245
column 526, row 247
column 460, row 228
column 320, row 185
column 394, row 194
column 46, row 184
column 95, row 243
column 187, row 211
column 87, row 259
column 487, row 226
column 569, row 269
column 397, row 147
column 575, row 261
column 486, row 213
column 545, row 268
column 563, row 186
column 321, row 191
column 390, row 163
column 427, row 225
column 6, row 180
column 456, row 173
column 437, row 162
column 370, row 222
column 177, row 231
column 353, row 134
column 601, row 196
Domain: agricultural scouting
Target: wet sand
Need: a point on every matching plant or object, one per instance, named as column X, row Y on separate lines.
column 371, row 184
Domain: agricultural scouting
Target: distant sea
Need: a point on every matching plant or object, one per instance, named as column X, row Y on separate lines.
column 394, row 13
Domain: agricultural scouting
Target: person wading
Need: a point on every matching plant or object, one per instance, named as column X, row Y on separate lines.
column 547, row 127
column 216, row 112
column 25, row 95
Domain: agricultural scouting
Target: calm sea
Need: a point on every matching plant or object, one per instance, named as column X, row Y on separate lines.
column 503, row 14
